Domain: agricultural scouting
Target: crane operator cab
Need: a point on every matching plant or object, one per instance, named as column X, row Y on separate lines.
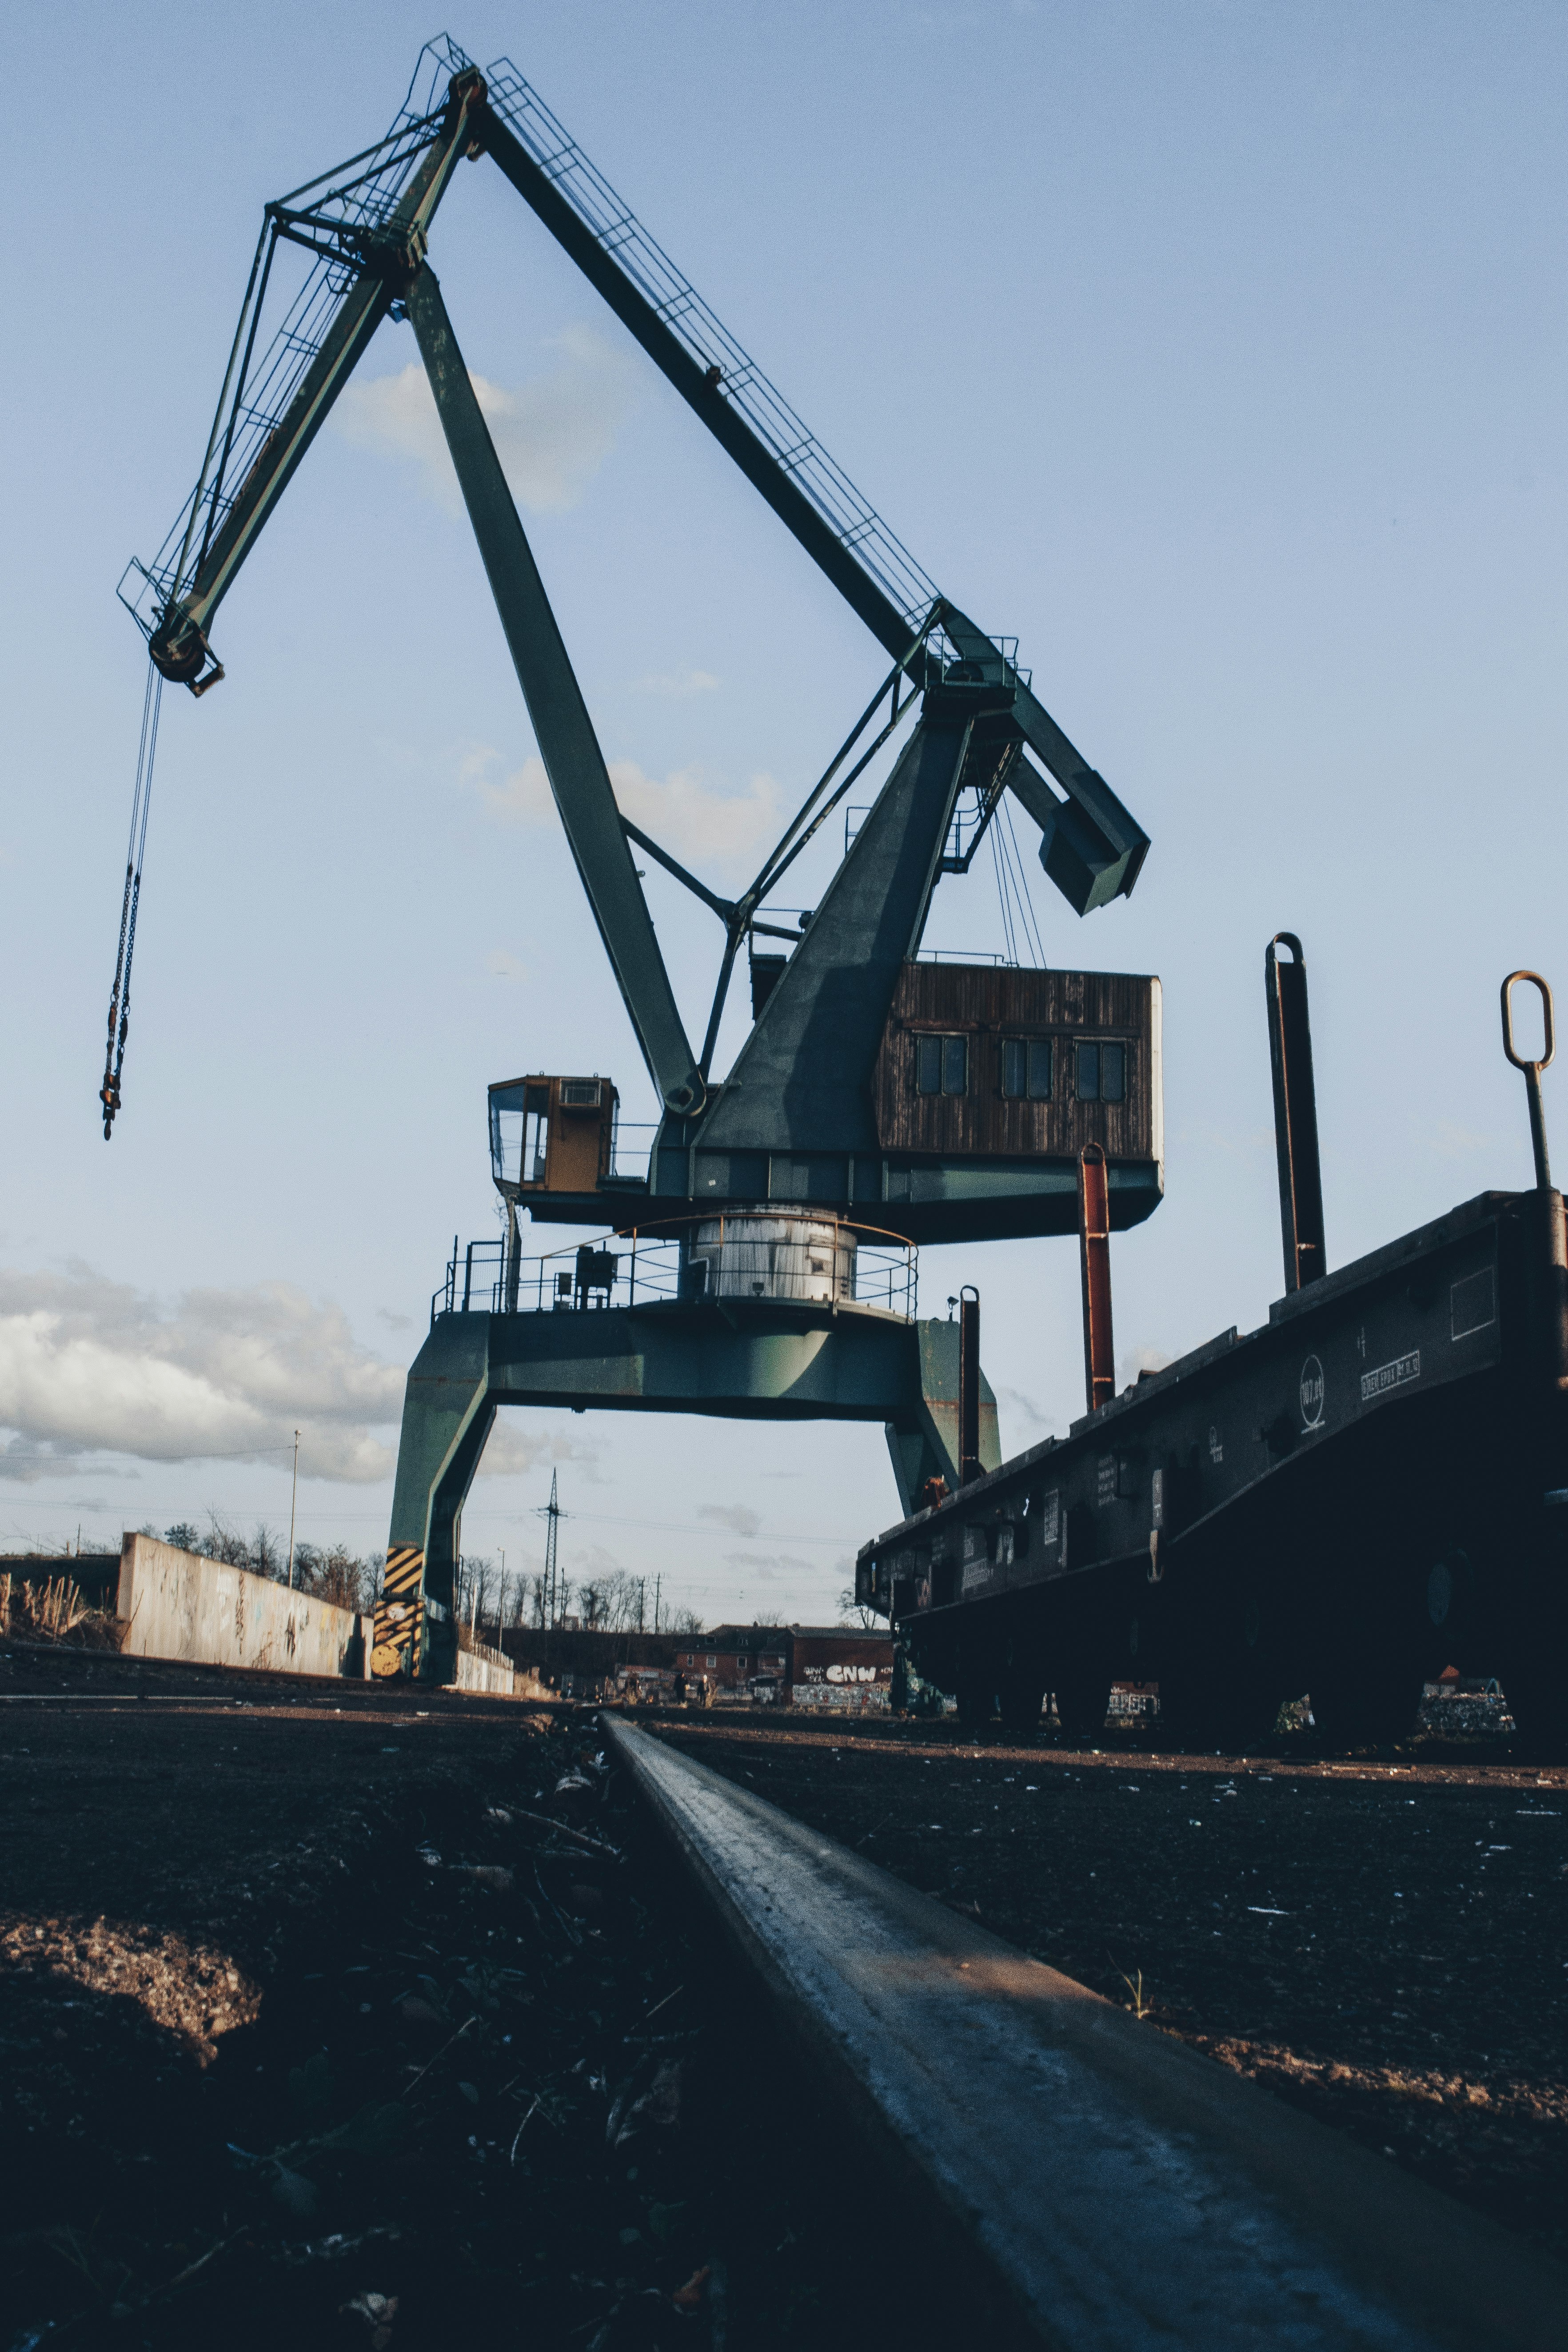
column 552, row 1135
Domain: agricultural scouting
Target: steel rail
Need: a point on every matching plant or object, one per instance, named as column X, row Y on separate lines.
column 1107, row 2186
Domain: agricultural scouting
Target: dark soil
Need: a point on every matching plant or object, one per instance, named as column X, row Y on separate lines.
column 1384, row 1942
column 330, row 2016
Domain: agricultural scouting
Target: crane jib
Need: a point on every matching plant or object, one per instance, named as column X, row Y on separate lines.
column 1094, row 848
column 366, row 227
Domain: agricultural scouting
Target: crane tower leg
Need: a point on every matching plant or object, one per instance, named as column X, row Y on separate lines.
column 448, row 1409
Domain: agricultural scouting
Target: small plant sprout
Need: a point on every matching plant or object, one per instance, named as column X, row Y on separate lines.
column 1141, row 2004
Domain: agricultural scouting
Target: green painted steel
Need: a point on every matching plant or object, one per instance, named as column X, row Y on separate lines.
column 801, row 1081
column 1098, row 856
column 364, row 302
column 567, row 743
column 768, row 1359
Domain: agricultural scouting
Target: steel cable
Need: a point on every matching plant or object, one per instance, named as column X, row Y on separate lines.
column 120, row 995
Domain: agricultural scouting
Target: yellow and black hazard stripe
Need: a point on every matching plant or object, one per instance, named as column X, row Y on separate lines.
column 400, row 1613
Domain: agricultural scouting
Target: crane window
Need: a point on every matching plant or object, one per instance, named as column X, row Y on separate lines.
column 1101, row 1073
column 1026, row 1069
column 535, row 1134
column 941, row 1065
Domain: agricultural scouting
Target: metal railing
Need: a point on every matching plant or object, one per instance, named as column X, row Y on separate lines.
column 629, row 1160
column 641, row 1268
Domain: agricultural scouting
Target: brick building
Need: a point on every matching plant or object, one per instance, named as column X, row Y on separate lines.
column 789, row 1665
column 837, row 1666
column 763, row 1666
column 590, row 1665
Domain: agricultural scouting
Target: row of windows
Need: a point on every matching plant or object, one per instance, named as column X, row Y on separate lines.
column 1098, row 1071
column 774, row 1661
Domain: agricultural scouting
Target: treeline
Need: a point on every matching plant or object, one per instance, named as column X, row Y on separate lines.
column 489, row 1596
column 332, row 1573
column 614, row 1601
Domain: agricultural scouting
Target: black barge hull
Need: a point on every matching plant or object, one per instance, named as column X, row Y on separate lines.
column 1368, row 1489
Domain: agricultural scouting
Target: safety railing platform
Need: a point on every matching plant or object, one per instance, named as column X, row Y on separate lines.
column 811, row 1260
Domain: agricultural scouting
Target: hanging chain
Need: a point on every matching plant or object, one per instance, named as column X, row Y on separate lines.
column 120, row 995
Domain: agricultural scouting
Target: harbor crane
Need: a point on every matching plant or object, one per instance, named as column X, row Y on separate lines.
column 763, row 1263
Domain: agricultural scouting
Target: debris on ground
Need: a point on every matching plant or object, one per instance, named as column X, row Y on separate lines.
column 318, row 2009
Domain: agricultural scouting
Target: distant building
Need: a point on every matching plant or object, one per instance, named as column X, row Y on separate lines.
column 748, row 1665
column 835, row 1665
column 790, row 1666
column 582, row 1664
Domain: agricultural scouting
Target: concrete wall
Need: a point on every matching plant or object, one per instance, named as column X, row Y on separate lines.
column 176, row 1604
column 480, row 1668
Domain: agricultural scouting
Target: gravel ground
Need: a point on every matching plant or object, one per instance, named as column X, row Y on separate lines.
column 336, row 2015
column 1380, row 1941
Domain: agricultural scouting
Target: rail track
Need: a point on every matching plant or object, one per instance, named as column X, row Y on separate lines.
column 1101, row 2185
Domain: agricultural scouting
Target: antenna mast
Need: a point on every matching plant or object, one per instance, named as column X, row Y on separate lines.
column 553, row 1514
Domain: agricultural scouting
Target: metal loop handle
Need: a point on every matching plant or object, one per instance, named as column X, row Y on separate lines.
column 1519, row 1063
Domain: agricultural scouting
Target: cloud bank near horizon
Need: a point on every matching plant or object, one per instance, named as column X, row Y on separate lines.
column 91, row 1367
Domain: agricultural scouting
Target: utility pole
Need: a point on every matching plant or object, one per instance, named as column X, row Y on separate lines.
column 642, row 1599
column 553, row 1514
column 293, row 1499
column 659, row 1579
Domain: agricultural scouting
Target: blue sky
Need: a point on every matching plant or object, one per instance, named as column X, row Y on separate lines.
column 1214, row 350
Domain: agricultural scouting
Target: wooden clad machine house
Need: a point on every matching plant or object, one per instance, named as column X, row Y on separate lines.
column 1000, row 1062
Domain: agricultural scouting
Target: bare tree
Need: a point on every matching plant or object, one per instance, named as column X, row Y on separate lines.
column 685, row 1620
column 476, row 1581
column 336, row 1575
column 855, row 1613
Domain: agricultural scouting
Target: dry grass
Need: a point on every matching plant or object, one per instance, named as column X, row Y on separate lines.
column 54, row 1611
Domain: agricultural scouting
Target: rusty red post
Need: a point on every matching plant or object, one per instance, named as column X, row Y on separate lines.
column 1094, row 1255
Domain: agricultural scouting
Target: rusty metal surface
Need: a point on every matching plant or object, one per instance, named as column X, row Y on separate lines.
column 1094, row 1258
column 1116, row 2188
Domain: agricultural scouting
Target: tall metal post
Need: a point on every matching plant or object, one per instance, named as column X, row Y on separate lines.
column 1094, row 1257
column 293, row 1500
column 1533, row 1069
column 1295, row 1114
column 968, row 1385
column 1547, row 1205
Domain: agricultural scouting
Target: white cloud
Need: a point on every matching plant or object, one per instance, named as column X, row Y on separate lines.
column 512, row 1448
column 1143, row 1359
column 766, row 1565
column 685, row 815
column 1028, row 1409
column 551, row 434
column 739, row 1518
column 677, row 686
column 1452, row 1141
column 89, row 1366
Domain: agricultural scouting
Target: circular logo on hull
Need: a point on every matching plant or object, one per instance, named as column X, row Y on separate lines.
column 1311, row 1394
